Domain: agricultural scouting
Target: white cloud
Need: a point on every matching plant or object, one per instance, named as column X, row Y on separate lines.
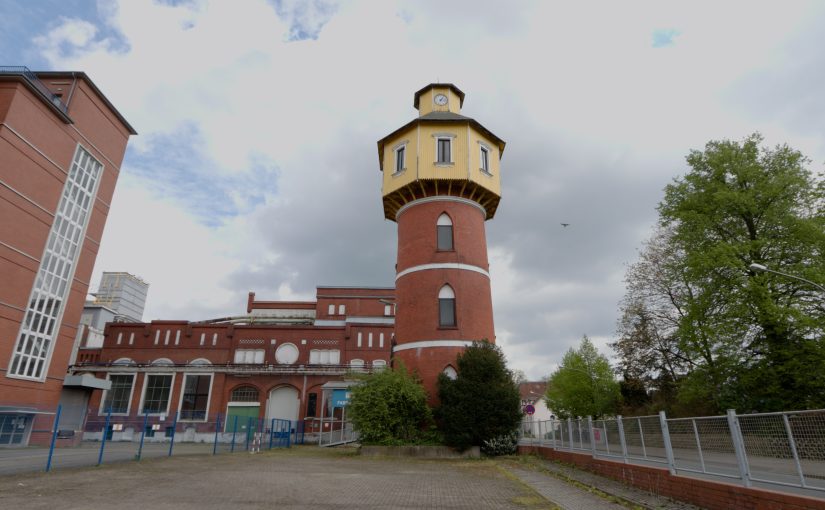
column 597, row 121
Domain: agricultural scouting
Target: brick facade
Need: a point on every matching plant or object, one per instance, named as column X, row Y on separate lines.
column 46, row 121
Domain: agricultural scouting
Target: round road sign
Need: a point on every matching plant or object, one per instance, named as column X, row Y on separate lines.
column 529, row 409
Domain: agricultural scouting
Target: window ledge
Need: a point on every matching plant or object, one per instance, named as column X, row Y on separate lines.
column 447, row 327
column 485, row 172
column 399, row 173
column 441, row 163
column 451, row 250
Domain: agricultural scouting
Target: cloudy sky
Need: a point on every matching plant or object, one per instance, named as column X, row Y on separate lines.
column 256, row 167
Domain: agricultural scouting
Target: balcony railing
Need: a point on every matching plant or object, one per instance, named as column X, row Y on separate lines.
column 35, row 82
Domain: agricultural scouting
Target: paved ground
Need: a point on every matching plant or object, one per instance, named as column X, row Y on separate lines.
column 306, row 477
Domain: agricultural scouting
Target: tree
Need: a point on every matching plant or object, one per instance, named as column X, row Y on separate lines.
column 390, row 407
column 583, row 385
column 725, row 335
column 483, row 402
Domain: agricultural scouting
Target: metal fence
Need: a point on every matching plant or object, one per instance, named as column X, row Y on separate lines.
column 54, row 442
column 785, row 448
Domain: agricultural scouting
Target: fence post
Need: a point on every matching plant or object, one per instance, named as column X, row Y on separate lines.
column 55, row 426
column 739, row 447
column 592, row 438
column 217, row 431
column 570, row 431
column 271, row 432
column 671, row 461
column 698, row 444
column 621, row 437
column 174, row 428
column 103, row 439
column 289, row 432
column 553, row 431
column 142, row 435
column 792, row 443
column 248, row 431
column 234, row 431
column 642, row 437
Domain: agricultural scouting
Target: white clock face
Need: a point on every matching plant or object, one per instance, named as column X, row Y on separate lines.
column 440, row 99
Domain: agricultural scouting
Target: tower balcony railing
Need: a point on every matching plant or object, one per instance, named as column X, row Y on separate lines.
column 35, row 82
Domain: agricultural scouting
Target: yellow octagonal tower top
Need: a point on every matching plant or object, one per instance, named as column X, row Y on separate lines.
column 441, row 152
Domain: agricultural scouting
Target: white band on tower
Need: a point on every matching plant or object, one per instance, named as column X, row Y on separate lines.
column 433, row 343
column 441, row 198
column 442, row 265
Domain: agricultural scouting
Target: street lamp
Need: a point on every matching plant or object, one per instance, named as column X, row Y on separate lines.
column 759, row 268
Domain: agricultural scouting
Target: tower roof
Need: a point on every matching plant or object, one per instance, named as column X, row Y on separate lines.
column 431, row 85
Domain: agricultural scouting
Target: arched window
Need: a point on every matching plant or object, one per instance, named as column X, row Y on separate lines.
column 124, row 361
column 162, row 362
column 445, row 233
column 379, row 364
column 446, row 307
column 244, row 394
column 450, row 372
column 200, row 361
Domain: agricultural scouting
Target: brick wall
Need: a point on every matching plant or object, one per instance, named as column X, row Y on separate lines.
column 708, row 494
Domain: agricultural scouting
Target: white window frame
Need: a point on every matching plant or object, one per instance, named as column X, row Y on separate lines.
column 402, row 147
column 342, row 309
column 331, row 310
column 208, row 398
column 387, row 310
column 483, row 149
column 449, row 137
column 284, row 346
column 102, row 411
column 260, row 354
column 146, row 376
column 360, row 338
column 54, row 282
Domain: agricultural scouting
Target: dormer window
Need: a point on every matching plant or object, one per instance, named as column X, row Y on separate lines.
column 444, row 151
column 484, row 160
column 399, row 158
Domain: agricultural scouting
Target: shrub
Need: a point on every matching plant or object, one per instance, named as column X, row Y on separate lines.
column 501, row 445
column 483, row 402
column 390, row 407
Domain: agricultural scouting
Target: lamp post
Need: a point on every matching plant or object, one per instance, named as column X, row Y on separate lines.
column 759, row 268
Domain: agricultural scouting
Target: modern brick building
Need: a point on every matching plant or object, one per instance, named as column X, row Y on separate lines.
column 61, row 146
column 440, row 184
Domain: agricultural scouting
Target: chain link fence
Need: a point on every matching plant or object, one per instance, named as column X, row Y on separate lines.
column 786, row 448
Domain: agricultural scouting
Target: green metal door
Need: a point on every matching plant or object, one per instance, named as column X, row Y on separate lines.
column 247, row 419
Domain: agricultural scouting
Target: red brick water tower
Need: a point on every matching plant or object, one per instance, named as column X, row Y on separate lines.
column 441, row 183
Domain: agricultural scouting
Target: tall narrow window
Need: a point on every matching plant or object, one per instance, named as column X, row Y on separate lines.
column 444, row 150
column 399, row 158
column 156, row 398
column 195, row 400
column 445, row 233
column 53, row 282
column 446, row 307
column 312, row 405
column 117, row 397
column 485, row 159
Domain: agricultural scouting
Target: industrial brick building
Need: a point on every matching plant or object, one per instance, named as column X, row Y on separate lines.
column 61, row 146
column 441, row 182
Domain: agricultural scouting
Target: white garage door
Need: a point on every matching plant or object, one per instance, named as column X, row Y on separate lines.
column 283, row 403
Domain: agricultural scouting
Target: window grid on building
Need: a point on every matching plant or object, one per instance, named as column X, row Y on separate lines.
column 52, row 283
column 444, row 150
column 485, row 159
column 195, row 397
column 244, row 394
column 399, row 158
column 156, row 398
column 117, row 397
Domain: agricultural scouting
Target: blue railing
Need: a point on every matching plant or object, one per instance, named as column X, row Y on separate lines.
column 36, row 83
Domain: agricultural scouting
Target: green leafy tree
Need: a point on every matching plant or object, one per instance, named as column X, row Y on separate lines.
column 733, row 337
column 482, row 402
column 583, row 385
column 390, row 407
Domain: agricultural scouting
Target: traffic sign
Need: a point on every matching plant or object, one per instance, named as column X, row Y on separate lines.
column 529, row 409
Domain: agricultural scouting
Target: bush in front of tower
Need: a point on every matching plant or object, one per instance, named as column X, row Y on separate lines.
column 482, row 403
column 390, row 408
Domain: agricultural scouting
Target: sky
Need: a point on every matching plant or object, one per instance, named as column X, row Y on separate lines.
column 255, row 167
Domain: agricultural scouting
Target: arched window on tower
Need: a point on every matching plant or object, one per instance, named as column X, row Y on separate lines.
column 445, row 233
column 446, row 307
